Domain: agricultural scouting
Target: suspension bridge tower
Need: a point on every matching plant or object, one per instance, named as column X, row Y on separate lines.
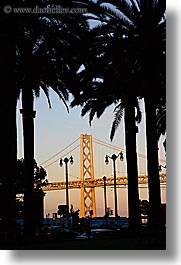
column 86, row 173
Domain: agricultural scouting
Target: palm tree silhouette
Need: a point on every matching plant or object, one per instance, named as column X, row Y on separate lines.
column 48, row 57
column 8, row 129
column 104, row 82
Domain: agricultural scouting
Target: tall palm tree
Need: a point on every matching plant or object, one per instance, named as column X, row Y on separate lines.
column 130, row 120
column 48, row 56
column 8, row 128
column 152, row 70
column 146, row 24
column 105, row 83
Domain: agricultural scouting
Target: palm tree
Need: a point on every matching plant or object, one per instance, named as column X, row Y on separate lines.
column 146, row 23
column 130, row 120
column 48, row 56
column 152, row 70
column 31, row 73
column 8, row 128
column 103, row 84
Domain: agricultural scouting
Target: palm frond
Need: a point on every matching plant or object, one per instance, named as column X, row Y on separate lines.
column 119, row 111
column 89, row 107
column 46, row 91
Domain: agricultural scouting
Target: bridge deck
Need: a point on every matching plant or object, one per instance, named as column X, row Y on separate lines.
column 98, row 182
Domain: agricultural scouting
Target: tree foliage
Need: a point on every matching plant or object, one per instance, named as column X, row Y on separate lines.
column 40, row 177
column 128, row 46
column 40, row 180
column 48, row 50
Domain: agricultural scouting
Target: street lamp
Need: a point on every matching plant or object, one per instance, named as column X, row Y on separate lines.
column 105, row 200
column 113, row 158
column 66, row 160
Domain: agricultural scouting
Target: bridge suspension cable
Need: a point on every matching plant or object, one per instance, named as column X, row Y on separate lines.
column 108, row 145
column 97, row 141
column 61, row 151
column 64, row 155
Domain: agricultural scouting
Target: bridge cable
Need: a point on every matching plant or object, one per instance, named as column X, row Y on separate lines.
column 118, row 148
column 64, row 155
column 59, row 152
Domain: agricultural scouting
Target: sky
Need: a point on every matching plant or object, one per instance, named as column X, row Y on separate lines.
column 55, row 129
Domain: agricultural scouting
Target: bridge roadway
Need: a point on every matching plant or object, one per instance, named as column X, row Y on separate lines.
column 97, row 182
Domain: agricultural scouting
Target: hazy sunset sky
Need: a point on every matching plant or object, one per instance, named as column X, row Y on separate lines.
column 56, row 128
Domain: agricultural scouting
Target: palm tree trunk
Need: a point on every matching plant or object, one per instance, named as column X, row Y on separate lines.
column 132, row 168
column 8, row 129
column 152, row 160
column 28, row 133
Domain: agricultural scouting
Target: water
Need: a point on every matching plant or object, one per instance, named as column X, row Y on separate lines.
column 96, row 222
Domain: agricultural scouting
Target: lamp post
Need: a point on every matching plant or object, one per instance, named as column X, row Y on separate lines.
column 113, row 158
column 105, row 199
column 66, row 160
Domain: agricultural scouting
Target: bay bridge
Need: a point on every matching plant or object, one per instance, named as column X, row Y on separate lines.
column 89, row 154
